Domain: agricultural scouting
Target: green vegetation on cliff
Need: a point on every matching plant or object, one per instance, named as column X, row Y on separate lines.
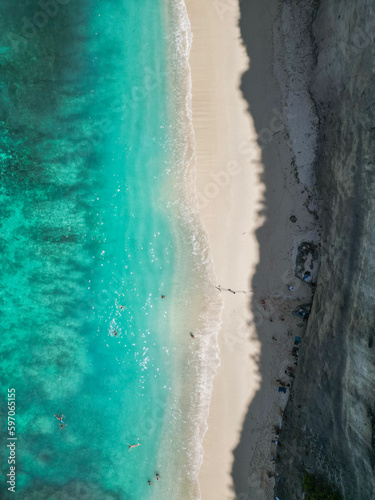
column 316, row 489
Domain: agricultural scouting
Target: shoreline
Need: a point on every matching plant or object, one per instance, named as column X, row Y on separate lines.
column 193, row 309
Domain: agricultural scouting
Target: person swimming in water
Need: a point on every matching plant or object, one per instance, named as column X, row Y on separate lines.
column 59, row 418
column 157, row 475
column 133, row 445
column 149, row 483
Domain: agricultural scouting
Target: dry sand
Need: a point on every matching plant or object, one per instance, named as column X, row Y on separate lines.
column 230, row 173
column 228, row 169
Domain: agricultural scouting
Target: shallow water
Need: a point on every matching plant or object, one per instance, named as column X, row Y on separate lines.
column 95, row 159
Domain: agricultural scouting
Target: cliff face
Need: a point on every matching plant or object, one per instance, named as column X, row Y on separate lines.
column 330, row 425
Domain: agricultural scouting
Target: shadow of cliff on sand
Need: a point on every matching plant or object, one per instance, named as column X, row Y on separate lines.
column 330, row 426
column 259, row 88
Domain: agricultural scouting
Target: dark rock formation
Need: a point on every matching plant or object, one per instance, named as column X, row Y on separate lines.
column 330, row 426
column 307, row 260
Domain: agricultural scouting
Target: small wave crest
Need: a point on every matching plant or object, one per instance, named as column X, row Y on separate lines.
column 191, row 237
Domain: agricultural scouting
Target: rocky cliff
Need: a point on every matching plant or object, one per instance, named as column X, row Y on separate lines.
column 330, row 419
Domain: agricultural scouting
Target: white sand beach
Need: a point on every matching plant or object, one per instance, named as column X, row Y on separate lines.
column 230, row 173
column 229, row 190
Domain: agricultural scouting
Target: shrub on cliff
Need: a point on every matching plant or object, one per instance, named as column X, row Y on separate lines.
column 316, row 489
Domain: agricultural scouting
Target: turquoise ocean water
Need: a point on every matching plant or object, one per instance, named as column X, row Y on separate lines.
column 97, row 223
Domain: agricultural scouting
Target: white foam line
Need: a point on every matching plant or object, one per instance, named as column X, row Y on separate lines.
column 208, row 354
